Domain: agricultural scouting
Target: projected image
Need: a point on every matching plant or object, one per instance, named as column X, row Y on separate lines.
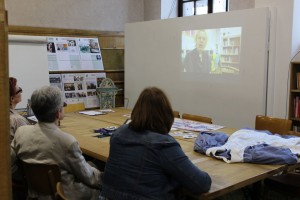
column 211, row 51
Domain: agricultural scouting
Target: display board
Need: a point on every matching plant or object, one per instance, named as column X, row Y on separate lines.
column 70, row 53
column 28, row 63
column 213, row 65
column 79, row 87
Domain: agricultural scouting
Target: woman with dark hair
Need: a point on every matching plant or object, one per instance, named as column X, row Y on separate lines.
column 15, row 97
column 16, row 120
column 145, row 162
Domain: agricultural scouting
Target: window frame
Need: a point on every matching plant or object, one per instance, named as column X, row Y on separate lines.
column 209, row 6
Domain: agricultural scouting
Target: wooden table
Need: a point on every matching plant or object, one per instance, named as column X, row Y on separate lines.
column 118, row 117
column 225, row 177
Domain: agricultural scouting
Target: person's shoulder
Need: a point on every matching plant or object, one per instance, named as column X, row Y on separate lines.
column 24, row 131
column 26, row 127
column 166, row 137
column 66, row 137
column 125, row 133
column 159, row 139
column 192, row 52
column 15, row 115
column 55, row 132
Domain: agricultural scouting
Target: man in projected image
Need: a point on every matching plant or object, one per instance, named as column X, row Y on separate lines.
column 198, row 59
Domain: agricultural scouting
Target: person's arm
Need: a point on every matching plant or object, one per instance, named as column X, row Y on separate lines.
column 187, row 62
column 81, row 169
column 15, row 122
column 13, row 158
column 178, row 165
column 14, row 163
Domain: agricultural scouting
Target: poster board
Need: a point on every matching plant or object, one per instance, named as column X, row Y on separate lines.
column 28, row 63
column 30, row 59
column 78, row 87
column 71, row 53
column 75, row 54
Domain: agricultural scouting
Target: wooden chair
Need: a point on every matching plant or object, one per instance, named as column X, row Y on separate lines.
column 288, row 183
column 176, row 114
column 74, row 107
column 197, row 118
column 60, row 195
column 42, row 178
column 274, row 125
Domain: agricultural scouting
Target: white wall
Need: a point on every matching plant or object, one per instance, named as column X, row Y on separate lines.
column 103, row 15
column 28, row 64
column 287, row 44
column 239, row 5
column 151, row 10
column 296, row 30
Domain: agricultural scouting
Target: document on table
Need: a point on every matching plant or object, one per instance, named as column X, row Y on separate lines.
column 107, row 110
column 33, row 118
column 194, row 126
column 92, row 113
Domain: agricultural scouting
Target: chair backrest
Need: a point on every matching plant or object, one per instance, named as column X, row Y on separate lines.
column 42, row 178
column 74, row 107
column 60, row 195
column 272, row 124
column 197, row 118
column 176, row 114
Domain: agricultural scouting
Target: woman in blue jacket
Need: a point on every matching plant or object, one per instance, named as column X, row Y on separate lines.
column 145, row 162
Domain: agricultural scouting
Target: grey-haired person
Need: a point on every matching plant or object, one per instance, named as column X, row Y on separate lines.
column 44, row 142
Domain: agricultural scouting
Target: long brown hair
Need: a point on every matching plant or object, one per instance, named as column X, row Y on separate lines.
column 152, row 111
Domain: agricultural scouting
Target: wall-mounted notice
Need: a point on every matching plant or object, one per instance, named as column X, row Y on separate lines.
column 69, row 54
column 79, row 87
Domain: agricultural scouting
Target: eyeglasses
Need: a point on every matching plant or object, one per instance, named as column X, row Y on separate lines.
column 19, row 91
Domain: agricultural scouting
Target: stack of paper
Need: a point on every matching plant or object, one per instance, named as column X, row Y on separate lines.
column 92, row 113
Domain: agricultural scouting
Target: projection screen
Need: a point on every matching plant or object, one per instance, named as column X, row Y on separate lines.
column 213, row 65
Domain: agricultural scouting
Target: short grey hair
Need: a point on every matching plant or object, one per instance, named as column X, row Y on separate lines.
column 46, row 102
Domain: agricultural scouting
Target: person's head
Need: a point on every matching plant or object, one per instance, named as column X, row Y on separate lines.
column 152, row 111
column 50, row 47
column 14, row 92
column 201, row 39
column 47, row 104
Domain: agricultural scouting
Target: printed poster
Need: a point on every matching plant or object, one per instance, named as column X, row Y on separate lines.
column 72, row 54
column 81, row 87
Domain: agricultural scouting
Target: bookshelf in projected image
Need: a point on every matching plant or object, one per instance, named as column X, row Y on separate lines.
column 230, row 56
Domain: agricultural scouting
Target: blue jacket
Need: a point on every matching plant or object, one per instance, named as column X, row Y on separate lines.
column 149, row 165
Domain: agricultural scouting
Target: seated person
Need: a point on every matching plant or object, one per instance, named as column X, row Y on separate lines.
column 145, row 162
column 16, row 120
column 44, row 142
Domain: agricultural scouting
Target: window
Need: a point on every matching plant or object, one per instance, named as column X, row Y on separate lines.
column 200, row 7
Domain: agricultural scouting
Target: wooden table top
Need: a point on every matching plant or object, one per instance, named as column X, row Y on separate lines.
column 225, row 177
column 118, row 117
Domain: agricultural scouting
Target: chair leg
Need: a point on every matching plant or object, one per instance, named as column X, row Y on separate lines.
column 19, row 191
column 257, row 190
